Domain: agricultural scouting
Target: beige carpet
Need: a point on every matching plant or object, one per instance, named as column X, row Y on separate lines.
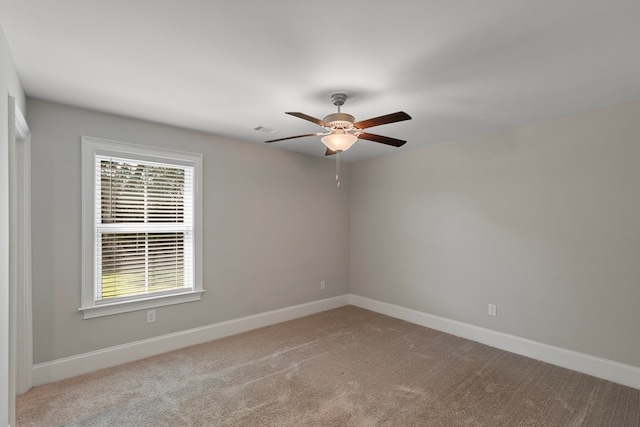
column 344, row 367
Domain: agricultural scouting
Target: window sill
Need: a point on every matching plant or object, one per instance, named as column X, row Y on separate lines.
column 136, row 305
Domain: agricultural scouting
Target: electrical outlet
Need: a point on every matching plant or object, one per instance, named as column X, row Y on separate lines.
column 151, row 316
column 322, row 285
column 493, row 310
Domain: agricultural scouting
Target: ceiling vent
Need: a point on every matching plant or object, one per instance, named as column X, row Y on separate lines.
column 265, row 130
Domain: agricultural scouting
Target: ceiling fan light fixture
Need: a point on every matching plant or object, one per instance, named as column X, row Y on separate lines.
column 339, row 140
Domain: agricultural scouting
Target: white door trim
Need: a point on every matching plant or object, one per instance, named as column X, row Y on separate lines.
column 24, row 328
column 20, row 354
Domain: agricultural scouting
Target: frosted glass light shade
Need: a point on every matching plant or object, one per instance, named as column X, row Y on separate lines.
column 339, row 141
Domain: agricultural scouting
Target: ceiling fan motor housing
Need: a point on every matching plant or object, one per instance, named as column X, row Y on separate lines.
column 340, row 120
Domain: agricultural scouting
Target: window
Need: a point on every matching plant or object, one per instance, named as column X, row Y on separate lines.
column 141, row 227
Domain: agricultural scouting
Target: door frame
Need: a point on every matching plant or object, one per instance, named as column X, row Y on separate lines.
column 21, row 315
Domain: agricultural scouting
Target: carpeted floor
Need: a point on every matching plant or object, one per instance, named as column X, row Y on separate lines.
column 343, row 367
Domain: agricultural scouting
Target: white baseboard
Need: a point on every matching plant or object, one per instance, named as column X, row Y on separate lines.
column 89, row 362
column 602, row 368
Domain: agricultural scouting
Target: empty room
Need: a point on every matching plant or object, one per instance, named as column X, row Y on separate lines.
column 345, row 213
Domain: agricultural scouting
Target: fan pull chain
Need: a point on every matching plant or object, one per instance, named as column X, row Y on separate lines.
column 338, row 170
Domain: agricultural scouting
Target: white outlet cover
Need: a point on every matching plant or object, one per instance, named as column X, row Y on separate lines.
column 492, row 310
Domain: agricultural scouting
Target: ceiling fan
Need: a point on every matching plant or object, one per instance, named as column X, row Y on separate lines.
column 342, row 131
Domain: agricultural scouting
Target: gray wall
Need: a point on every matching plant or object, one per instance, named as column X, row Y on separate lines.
column 542, row 220
column 274, row 227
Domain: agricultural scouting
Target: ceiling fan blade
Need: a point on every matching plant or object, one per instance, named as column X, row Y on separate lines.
column 383, row 120
column 382, row 139
column 297, row 136
column 304, row 116
column 329, row 152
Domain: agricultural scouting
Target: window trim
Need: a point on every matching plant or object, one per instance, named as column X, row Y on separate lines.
column 97, row 146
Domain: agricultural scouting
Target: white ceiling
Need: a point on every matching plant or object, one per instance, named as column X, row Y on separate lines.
column 460, row 68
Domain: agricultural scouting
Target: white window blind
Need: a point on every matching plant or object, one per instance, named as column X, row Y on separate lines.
column 142, row 222
column 144, row 228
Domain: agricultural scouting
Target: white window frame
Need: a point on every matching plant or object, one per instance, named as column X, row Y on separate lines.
column 92, row 147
